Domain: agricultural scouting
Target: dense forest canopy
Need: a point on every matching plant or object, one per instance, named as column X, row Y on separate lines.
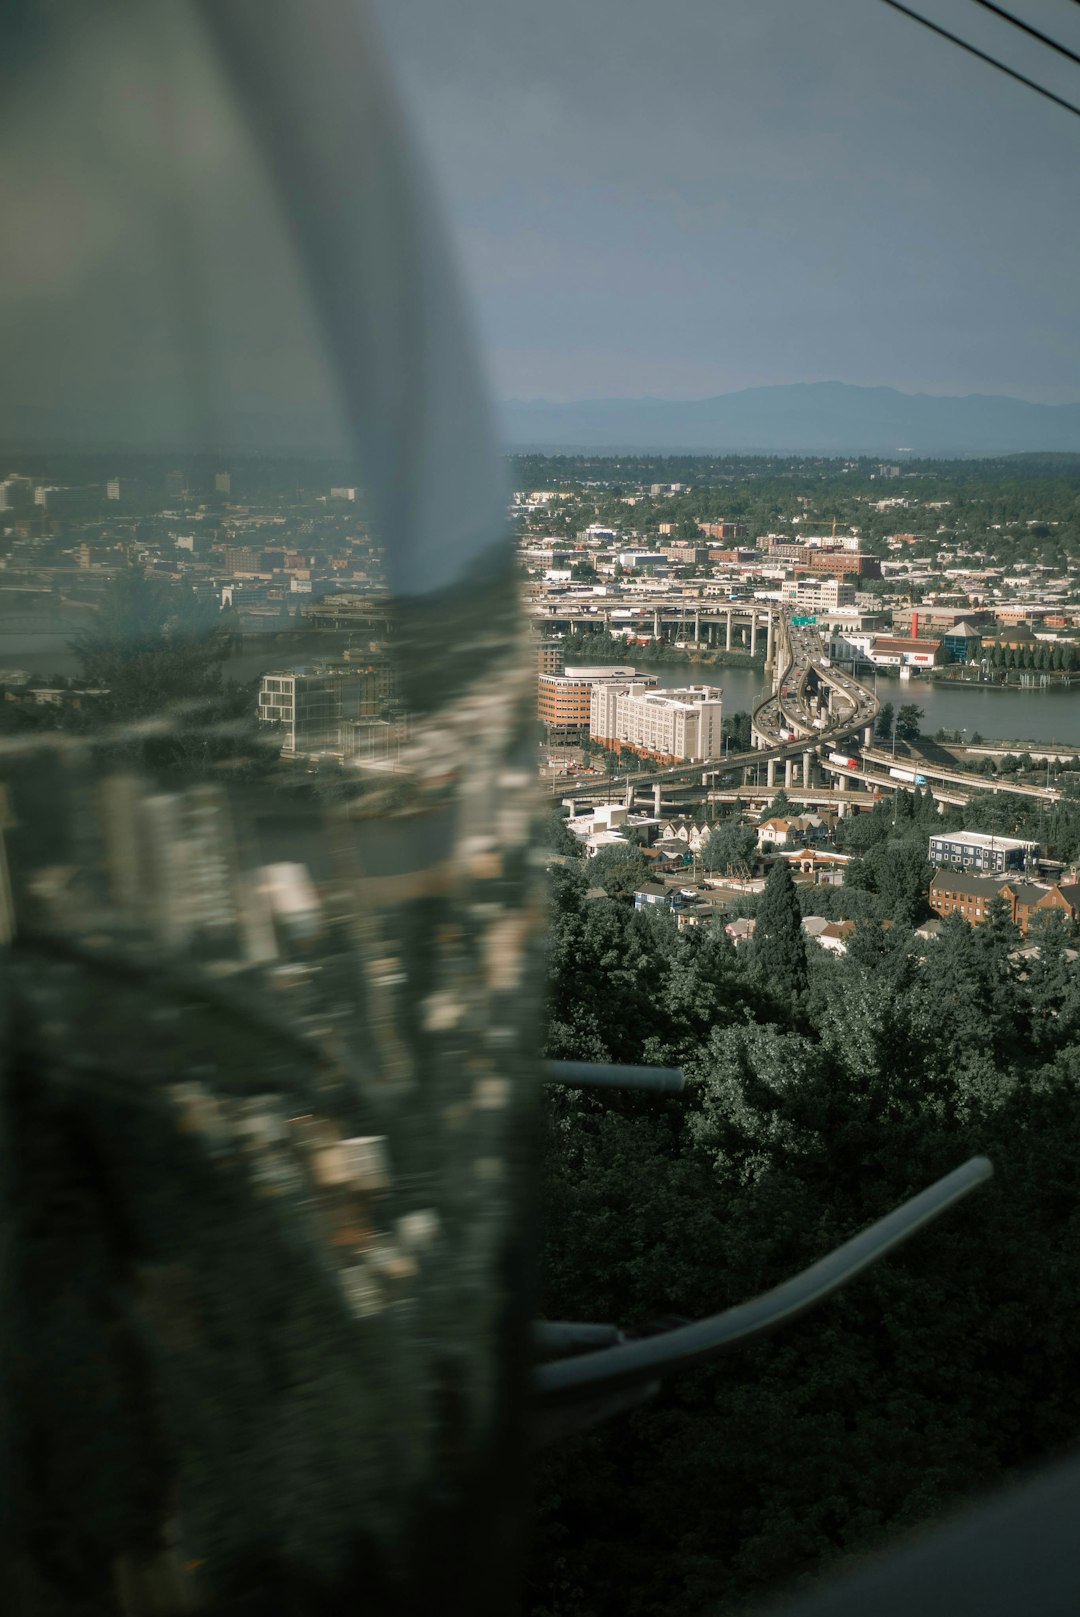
column 823, row 1090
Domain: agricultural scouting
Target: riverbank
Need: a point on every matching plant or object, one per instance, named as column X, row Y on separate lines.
column 1013, row 679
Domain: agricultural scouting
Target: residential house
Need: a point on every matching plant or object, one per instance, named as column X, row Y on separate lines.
column 794, row 830
column 693, row 836
column 774, row 832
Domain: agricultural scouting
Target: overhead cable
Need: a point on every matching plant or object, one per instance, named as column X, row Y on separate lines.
column 1025, row 27
column 983, row 56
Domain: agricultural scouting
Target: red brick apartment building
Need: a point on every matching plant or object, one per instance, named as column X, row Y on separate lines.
column 953, row 892
column 840, row 563
column 722, row 530
column 562, row 705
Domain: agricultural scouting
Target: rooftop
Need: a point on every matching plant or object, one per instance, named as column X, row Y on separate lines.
column 981, row 839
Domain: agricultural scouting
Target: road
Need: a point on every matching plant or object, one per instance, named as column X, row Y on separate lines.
column 814, row 709
column 803, row 669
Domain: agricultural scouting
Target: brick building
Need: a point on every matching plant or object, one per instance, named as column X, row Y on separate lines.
column 955, row 892
column 722, row 530
column 563, row 700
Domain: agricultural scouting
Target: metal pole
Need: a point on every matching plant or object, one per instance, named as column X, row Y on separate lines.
column 611, row 1075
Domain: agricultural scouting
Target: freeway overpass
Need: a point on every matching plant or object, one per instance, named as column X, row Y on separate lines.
column 878, row 781
column 936, row 773
column 810, row 699
column 846, row 708
column 735, row 625
column 813, row 709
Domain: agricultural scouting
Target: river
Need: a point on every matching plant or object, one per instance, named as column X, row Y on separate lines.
column 996, row 713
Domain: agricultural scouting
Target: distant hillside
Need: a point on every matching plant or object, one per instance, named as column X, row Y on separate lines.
column 817, row 418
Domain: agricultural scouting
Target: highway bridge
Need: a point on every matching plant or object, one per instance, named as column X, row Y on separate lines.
column 734, row 625
column 810, row 702
column 936, row 773
column 813, row 710
column 806, row 690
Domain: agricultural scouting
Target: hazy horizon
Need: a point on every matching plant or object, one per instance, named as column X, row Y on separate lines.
column 802, row 381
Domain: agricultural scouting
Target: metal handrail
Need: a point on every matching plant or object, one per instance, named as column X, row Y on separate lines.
column 553, row 1337
column 629, row 1364
column 611, row 1075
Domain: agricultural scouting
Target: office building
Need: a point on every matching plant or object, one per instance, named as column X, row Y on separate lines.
column 16, row 493
column 982, row 851
column 672, row 726
column 315, row 708
column 550, row 656
column 817, row 594
column 962, row 643
column 563, row 701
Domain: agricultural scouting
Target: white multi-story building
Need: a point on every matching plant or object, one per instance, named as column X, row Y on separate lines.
column 817, row 594
column 682, row 725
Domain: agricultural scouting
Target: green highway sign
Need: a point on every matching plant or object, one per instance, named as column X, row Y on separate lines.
column 801, row 622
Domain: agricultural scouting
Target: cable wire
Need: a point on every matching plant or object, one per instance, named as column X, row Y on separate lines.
column 1025, row 27
column 983, row 56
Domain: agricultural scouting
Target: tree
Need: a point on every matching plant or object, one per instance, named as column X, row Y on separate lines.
column 154, row 646
column 737, row 731
column 557, row 836
column 619, row 869
column 902, row 878
column 908, row 720
column 779, row 947
column 158, row 652
column 730, row 848
column 883, row 725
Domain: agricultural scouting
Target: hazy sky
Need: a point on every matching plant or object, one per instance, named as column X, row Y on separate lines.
column 687, row 197
column 673, row 198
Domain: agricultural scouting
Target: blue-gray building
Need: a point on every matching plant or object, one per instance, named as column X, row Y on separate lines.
column 982, row 851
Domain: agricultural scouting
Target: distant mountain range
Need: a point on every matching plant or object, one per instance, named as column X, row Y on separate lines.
column 815, row 418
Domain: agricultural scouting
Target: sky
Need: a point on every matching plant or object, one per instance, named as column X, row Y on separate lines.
column 645, row 198
column 682, row 199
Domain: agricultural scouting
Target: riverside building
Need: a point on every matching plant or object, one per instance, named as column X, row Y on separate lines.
column 563, row 701
column 682, row 726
